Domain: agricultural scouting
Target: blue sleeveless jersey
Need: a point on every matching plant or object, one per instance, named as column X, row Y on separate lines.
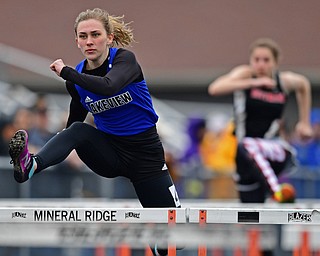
column 128, row 112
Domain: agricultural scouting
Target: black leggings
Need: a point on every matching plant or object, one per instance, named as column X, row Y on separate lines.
column 90, row 144
column 252, row 183
column 139, row 158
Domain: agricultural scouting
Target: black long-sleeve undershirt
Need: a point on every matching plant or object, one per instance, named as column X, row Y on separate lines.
column 125, row 70
column 76, row 110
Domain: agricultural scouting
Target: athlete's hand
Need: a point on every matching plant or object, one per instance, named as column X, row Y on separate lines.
column 57, row 66
column 265, row 82
column 304, row 131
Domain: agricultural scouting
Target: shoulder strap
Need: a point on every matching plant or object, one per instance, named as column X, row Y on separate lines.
column 112, row 54
column 277, row 78
column 79, row 67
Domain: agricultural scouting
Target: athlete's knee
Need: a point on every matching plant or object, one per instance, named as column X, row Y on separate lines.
column 79, row 128
column 251, row 190
column 254, row 196
column 76, row 126
column 246, row 167
column 77, row 132
column 242, row 153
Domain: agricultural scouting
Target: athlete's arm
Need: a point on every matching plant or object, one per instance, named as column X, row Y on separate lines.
column 239, row 78
column 76, row 111
column 301, row 86
column 125, row 70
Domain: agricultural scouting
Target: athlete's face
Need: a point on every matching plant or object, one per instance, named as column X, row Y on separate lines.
column 262, row 61
column 93, row 40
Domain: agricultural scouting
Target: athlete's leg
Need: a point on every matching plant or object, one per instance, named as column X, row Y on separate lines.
column 92, row 144
column 158, row 192
column 251, row 184
column 258, row 163
column 266, row 154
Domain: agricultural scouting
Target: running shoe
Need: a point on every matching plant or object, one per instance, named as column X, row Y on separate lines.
column 22, row 160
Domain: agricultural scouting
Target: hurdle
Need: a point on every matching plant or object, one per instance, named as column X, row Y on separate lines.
column 256, row 215
column 104, row 224
column 295, row 216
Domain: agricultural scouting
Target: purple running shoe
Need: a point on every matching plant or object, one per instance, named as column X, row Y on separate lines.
column 22, row 160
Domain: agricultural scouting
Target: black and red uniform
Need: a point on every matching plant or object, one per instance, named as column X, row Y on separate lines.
column 261, row 154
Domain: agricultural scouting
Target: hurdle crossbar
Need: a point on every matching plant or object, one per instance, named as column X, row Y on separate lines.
column 258, row 215
column 90, row 215
column 158, row 215
column 104, row 225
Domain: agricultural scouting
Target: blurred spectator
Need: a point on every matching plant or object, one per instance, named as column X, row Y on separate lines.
column 196, row 128
column 40, row 133
column 191, row 168
column 211, row 152
column 308, row 152
column 7, row 129
column 218, row 150
column 21, row 118
column 218, row 147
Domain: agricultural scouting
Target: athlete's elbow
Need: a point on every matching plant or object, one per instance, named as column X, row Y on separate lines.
column 213, row 90
column 108, row 91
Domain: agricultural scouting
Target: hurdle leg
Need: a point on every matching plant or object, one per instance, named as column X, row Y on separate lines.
column 253, row 249
column 202, row 249
column 217, row 252
column 237, row 252
column 296, row 251
column 100, row 251
column 305, row 249
column 171, row 222
column 148, row 252
column 123, row 250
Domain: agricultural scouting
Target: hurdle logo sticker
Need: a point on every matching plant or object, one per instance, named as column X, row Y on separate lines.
column 135, row 215
column 22, row 215
column 299, row 217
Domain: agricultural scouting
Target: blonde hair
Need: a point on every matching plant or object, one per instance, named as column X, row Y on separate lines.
column 123, row 35
column 267, row 43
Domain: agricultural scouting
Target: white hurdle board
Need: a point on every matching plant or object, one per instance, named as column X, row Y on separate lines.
column 87, row 223
column 90, row 215
column 87, row 227
column 256, row 215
